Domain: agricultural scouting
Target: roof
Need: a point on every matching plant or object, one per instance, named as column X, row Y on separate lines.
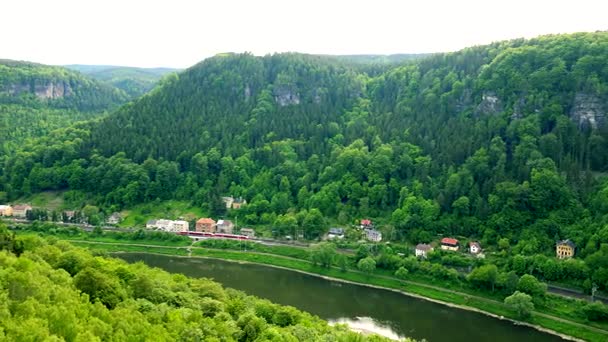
column 567, row 242
column 474, row 243
column 151, row 222
column 205, row 220
column 22, row 207
column 449, row 241
column 224, row 223
column 2, row 206
column 246, row 230
column 336, row 231
column 423, row 247
column 115, row 215
column 239, row 200
column 366, row 222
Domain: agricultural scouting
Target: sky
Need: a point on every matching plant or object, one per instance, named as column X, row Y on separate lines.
column 180, row 33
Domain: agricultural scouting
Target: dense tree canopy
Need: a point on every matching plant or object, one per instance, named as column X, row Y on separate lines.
column 499, row 143
column 54, row 291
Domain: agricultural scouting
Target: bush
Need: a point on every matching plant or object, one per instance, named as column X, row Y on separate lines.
column 521, row 303
column 596, row 311
column 367, row 265
column 401, row 273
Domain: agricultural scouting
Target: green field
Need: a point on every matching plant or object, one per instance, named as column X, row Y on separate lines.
column 138, row 215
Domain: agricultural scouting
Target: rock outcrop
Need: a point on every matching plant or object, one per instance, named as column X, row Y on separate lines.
column 588, row 111
column 285, row 96
column 47, row 90
column 490, row 104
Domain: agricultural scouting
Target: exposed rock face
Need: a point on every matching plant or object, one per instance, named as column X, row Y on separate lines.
column 47, row 90
column 247, row 92
column 490, row 104
column 588, row 111
column 464, row 101
column 518, row 107
column 285, row 96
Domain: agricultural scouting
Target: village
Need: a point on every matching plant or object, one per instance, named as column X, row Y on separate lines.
column 224, row 228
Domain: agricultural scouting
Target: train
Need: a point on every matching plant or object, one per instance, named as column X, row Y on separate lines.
column 215, row 235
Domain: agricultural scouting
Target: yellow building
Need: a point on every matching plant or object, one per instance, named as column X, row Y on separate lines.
column 564, row 249
column 6, row 210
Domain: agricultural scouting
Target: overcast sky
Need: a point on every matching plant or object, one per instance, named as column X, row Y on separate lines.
column 179, row 33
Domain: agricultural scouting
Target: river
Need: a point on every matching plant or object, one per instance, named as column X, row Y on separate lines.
column 385, row 312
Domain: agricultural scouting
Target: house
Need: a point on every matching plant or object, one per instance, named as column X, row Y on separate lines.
column 228, row 201
column 164, row 224
column 336, row 233
column 565, row 249
column 366, row 224
column 248, row 232
column 225, row 226
column 422, row 249
column 21, row 210
column 373, row 235
column 474, row 247
column 238, row 203
column 151, row 224
column 205, row 225
column 449, row 244
column 6, row 210
column 114, row 218
column 68, row 216
column 179, row 226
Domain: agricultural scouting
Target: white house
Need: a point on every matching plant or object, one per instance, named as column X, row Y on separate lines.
column 179, row 226
column 474, row 247
column 151, row 224
column 373, row 235
column 114, row 218
column 228, row 201
column 422, row 249
column 21, row 210
column 248, row 232
column 336, row 233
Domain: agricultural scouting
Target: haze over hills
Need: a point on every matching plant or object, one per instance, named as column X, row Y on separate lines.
column 134, row 81
column 506, row 140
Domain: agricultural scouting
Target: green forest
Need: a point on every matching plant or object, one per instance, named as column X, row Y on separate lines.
column 53, row 291
column 502, row 143
column 36, row 99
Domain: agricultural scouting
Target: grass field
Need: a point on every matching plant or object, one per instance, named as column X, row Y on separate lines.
column 137, row 216
column 51, row 200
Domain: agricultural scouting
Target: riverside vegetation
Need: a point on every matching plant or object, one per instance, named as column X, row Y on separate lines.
column 485, row 288
column 505, row 144
column 53, row 290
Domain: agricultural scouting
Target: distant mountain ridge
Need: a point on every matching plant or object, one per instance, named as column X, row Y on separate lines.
column 133, row 80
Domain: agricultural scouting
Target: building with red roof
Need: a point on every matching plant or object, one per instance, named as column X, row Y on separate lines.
column 449, row 244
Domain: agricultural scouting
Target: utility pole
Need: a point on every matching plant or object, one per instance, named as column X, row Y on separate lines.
column 593, row 290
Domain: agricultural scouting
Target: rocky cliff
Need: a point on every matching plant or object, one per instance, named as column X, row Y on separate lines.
column 588, row 111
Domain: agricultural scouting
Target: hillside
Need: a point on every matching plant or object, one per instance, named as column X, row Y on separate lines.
column 492, row 142
column 36, row 99
column 133, row 81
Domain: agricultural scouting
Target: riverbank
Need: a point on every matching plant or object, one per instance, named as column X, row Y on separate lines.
column 540, row 321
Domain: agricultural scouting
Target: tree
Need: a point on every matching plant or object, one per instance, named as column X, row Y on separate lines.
column 484, row 276
column 367, row 265
column 401, row 273
column 521, row 303
column 323, row 254
column 530, row 285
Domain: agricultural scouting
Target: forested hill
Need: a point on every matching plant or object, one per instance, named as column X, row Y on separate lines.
column 36, row 99
column 506, row 140
column 133, row 81
column 57, row 87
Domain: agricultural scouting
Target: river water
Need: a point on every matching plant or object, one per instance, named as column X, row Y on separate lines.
column 385, row 312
